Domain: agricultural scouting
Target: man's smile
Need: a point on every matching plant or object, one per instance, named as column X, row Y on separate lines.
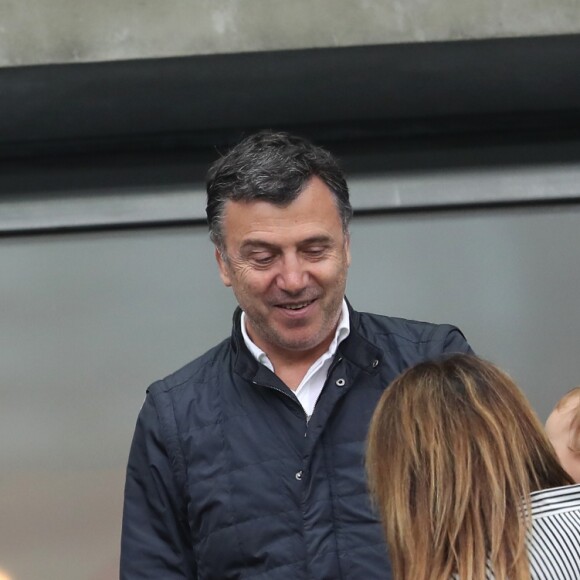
column 296, row 306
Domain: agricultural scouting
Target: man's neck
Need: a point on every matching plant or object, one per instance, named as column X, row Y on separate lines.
column 291, row 365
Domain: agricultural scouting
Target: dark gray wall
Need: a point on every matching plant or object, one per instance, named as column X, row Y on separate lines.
column 89, row 320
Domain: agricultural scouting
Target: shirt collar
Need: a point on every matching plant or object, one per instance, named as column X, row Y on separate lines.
column 342, row 331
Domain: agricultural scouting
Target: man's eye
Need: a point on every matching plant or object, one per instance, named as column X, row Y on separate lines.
column 262, row 259
column 315, row 252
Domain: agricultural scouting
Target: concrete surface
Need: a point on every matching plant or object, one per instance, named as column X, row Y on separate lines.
column 69, row 31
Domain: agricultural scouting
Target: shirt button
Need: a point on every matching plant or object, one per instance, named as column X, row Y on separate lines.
column 299, row 475
column 340, row 382
column 375, row 364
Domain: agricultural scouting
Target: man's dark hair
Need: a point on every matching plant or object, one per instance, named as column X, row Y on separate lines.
column 273, row 167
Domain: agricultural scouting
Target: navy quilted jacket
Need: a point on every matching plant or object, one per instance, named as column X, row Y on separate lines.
column 227, row 480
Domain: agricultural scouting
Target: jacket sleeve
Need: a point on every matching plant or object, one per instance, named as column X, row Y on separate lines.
column 155, row 539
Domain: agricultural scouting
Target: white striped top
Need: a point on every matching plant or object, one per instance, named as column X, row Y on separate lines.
column 554, row 540
column 554, row 544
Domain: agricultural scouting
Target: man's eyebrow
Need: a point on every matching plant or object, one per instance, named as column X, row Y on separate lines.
column 253, row 243
column 320, row 239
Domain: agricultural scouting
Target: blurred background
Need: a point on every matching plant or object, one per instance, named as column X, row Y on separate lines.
column 458, row 125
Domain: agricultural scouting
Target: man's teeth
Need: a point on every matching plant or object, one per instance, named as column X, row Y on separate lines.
column 296, row 306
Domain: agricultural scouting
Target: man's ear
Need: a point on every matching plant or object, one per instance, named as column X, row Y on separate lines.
column 223, row 268
column 347, row 248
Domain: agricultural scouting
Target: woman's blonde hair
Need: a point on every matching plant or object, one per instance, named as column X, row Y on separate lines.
column 574, row 441
column 454, row 451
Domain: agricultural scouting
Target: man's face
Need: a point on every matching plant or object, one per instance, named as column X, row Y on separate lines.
column 287, row 267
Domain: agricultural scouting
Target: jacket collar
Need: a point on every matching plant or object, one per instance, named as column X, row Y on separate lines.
column 357, row 348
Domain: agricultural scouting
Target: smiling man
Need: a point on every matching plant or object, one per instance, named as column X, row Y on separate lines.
column 287, row 267
column 248, row 462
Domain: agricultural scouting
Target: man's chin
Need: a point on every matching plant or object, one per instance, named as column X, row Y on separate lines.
column 299, row 344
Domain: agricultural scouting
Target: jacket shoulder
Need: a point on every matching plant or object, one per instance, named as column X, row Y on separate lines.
column 200, row 371
column 401, row 334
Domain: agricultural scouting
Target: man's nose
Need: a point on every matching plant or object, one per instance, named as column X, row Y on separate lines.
column 293, row 276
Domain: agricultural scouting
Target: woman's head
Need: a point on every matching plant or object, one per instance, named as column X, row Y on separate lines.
column 454, row 448
column 563, row 430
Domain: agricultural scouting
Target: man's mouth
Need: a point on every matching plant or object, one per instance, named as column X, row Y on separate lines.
column 297, row 306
